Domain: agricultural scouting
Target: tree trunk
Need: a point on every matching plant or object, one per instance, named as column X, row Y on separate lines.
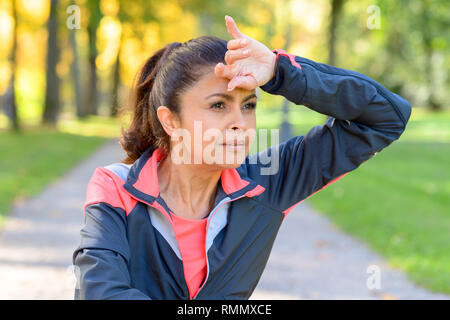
column 52, row 103
column 286, row 127
column 10, row 106
column 9, row 98
column 336, row 8
column 92, row 96
column 433, row 104
column 92, row 90
column 116, row 84
column 81, row 113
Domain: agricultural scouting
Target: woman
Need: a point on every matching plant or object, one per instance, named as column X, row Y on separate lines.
column 157, row 227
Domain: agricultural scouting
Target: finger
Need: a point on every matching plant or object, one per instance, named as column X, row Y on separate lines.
column 232, row 28
column 232, row 55
column 224, row 71
column 234, row 44
column 245, row 82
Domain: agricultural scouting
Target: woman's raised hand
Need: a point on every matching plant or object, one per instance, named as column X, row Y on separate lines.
column 249, row 63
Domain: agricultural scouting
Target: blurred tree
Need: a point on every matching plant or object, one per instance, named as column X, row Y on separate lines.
column 52, row 101
column 75, row 70
column 9, row 99
column 414, row 46
column 336, row 9
column 428, row 35
column 128, row 16
column 211, row 14
column 286, row 127
column 407, row 55
column 92, row 97
column 116, row 83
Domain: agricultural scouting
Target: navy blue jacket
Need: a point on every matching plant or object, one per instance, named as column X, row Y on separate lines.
column 128, row 248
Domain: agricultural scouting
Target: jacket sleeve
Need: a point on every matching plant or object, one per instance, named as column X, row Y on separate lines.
column 103, row 274
column 101, row 259
column 364, row 118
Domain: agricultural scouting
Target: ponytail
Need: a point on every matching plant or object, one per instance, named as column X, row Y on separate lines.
column 145, row 130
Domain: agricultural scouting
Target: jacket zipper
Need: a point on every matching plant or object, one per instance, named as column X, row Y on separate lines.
column 206, row 252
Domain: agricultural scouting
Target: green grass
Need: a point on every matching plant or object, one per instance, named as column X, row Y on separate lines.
column 37, row 156
column 397, row 202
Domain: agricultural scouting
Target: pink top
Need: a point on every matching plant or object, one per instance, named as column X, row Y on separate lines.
column 190, row 236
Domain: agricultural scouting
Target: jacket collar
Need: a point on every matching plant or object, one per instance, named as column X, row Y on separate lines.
column 142, row 180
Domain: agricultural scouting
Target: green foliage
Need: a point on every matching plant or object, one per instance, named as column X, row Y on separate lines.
column 408, row 54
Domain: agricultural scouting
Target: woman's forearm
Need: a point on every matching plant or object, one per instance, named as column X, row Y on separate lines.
column 340, row 93
column 364, row 119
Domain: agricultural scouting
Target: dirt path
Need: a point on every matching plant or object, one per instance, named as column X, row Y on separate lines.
column 310, row 259
column 40, row 234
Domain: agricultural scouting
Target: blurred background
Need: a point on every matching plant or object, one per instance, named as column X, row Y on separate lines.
column 67, row 66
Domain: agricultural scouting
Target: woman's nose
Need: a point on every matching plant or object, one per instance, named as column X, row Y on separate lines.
column 238, row 121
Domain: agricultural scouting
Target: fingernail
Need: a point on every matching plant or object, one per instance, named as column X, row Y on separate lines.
column 243, row 42
column 245, row 51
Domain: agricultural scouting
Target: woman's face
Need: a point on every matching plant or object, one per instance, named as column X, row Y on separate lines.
column 217, row 126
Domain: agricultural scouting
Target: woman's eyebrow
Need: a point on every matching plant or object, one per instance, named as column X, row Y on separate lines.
column 230, row 97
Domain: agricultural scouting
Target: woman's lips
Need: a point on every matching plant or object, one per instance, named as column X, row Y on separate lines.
column 234, row 145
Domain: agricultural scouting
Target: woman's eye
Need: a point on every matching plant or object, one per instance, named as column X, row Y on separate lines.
column 250, row 105
column 218, row 105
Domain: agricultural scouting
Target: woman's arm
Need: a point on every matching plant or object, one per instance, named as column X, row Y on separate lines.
column 103, row 275
column 364, row 119
column 101, row 259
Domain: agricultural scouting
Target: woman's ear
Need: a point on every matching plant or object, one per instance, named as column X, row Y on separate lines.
column 168, row 119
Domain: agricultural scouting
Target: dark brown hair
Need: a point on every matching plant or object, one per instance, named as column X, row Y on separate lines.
column 162, row 79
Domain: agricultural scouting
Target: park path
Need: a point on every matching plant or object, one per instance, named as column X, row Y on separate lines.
column 311, row 259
